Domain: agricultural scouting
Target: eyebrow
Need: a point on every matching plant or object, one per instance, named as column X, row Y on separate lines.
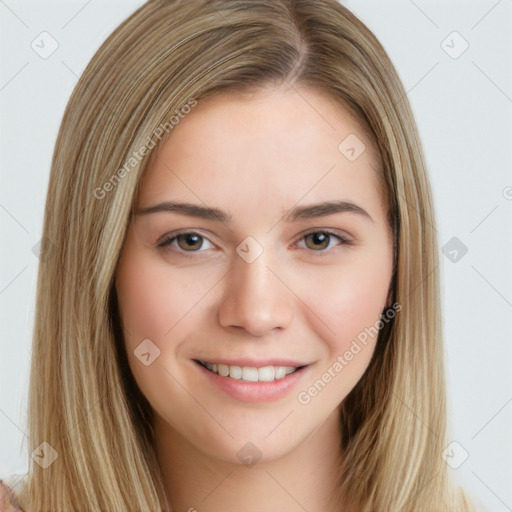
column 312, row 211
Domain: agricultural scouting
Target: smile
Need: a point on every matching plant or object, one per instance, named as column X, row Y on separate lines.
column 254, row 381
column 249, row 373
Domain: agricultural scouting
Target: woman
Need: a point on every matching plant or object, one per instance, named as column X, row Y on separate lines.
column 241, row 263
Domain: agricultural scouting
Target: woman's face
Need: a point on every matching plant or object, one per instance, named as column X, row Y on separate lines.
column 238, row 272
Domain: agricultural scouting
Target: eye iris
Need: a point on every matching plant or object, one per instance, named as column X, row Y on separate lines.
column 321, row 238
column 191, row 239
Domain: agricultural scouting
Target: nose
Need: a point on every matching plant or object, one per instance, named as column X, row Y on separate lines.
column 255, row 298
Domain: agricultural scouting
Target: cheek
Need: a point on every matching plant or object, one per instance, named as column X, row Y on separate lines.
column 147, row 306
column 140, row 305
column 348, row 309
column 149, row 311
column 348, row 304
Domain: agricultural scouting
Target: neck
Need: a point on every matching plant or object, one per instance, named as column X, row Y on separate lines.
column 303, row 479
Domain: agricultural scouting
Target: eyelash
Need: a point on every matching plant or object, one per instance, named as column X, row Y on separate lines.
column 167, row 240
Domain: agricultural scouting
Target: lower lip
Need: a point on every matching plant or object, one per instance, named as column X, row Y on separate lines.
column 255, row 391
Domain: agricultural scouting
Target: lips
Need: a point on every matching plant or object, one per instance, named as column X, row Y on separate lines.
column 251, row 380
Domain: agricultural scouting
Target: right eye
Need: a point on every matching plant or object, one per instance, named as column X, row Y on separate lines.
column 186, row 242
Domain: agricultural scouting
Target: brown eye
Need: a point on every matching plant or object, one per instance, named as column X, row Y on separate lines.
column 184, row 242
column 319, row 240
column 190, row 241
column 324, row 242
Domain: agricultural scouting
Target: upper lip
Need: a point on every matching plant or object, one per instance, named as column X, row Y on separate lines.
column 255, row 363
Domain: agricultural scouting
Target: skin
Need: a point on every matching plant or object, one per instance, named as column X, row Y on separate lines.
column 255, row 157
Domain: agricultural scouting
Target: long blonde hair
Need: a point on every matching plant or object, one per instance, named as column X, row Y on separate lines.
column 83, row 400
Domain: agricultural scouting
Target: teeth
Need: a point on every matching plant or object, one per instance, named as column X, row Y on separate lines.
column 250, row 373
column 223, row 370
column 235, row 372
column 266, row 373
column 280, row 372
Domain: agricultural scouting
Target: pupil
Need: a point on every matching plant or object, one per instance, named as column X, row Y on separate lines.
column 319, row 238
column 191, row 240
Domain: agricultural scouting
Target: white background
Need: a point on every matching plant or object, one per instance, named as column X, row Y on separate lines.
column 463, row 107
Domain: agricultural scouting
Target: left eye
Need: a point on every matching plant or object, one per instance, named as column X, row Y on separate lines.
column 320, row 240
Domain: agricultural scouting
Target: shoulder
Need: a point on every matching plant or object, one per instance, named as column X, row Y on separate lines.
column 12, row 489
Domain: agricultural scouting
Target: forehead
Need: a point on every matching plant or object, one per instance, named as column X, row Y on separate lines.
column 278, row 145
